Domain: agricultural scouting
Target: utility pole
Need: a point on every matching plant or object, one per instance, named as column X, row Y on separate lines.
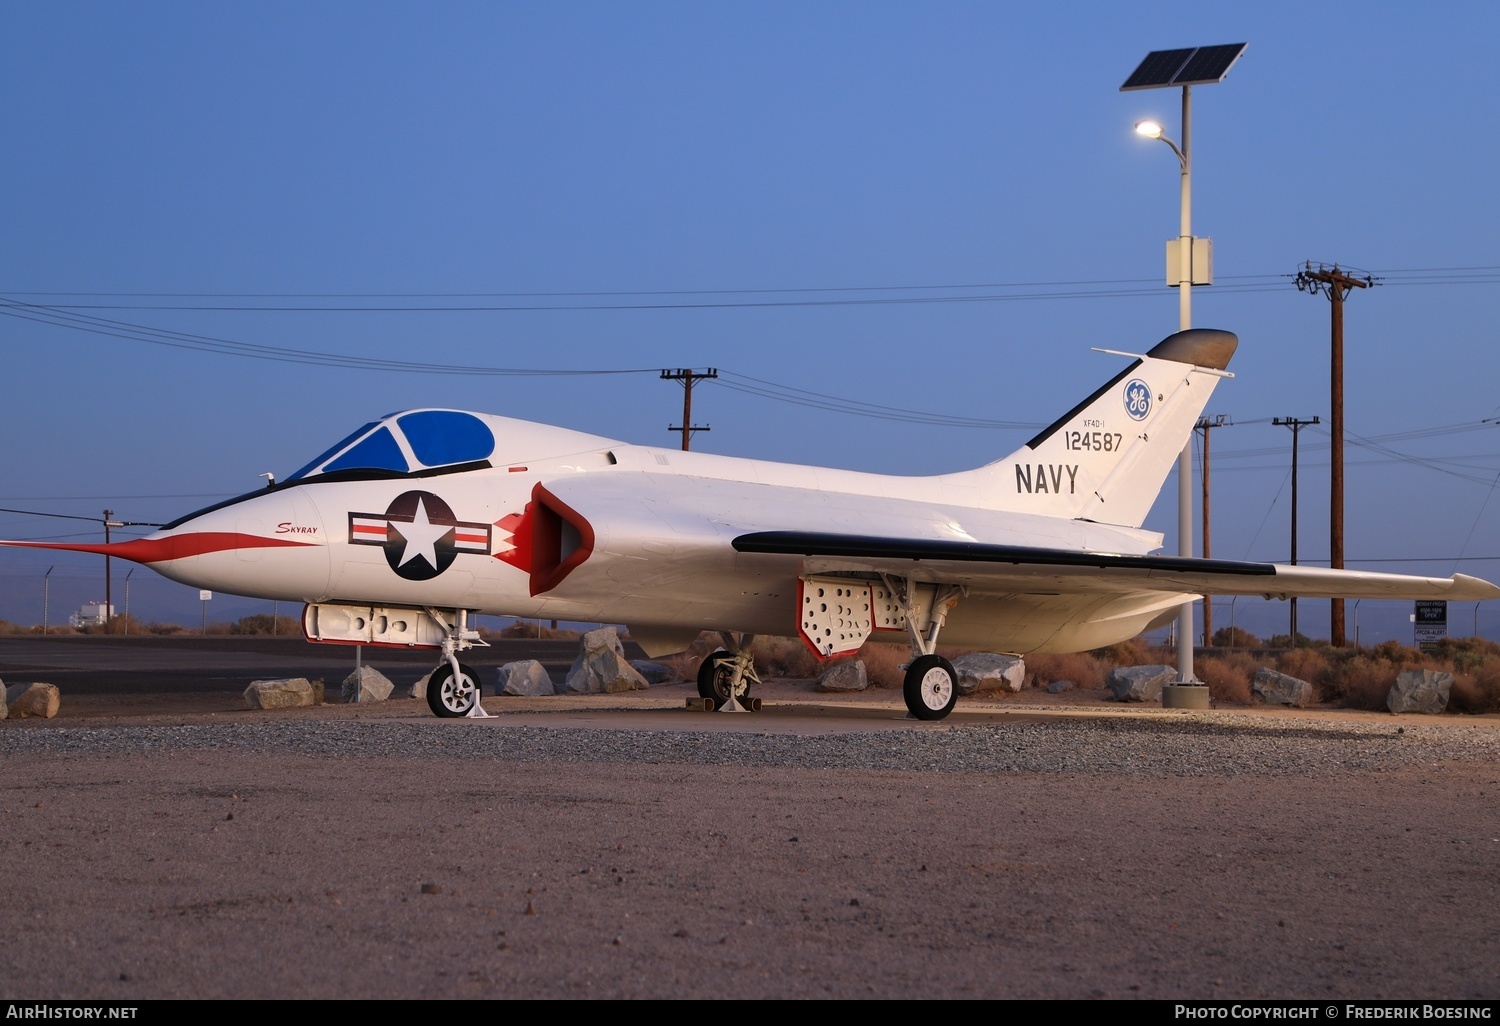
column 1334, row 284
column 109, row 606
column 688, row 376
column 46, row 596
column 1296, row 425
column 1205, row 425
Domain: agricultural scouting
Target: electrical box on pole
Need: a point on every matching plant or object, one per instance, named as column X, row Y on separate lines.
column 1200, row 269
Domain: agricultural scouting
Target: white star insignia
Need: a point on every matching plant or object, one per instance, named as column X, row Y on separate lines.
column 421, row 537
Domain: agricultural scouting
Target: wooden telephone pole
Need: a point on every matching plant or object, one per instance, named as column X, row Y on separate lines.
column 1296, row 425
column 1205, row 425
column 688, row 376
column 1335, row 284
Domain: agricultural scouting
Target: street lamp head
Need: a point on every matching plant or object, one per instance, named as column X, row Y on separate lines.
column 1153, row 130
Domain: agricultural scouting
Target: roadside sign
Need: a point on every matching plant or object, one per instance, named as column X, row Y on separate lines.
column 1430, row 624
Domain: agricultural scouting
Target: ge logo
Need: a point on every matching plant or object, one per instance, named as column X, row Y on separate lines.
column 1137, row 399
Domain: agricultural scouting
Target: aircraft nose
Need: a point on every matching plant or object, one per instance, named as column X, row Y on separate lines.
column 265, row 546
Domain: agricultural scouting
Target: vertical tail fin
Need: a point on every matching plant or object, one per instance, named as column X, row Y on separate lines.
column 1107, row 458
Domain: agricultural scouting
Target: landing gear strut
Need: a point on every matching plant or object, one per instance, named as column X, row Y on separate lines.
column 724, row 678
column 931, row 685
column 453, row 688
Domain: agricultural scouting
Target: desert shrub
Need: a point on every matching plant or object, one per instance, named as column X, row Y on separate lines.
column 1085, row 669
column 165, row 629
column 1134, row 652
column 1235, row 637
column 1228, row 676
column 259, row 624
column 784, row 657
column 1358, row 682
column 1478, row 691
column 1309, row 664
column 1468, row 654
column 883, row 664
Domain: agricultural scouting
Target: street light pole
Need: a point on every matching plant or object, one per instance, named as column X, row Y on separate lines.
column 1197, row 65
column 1184, row 285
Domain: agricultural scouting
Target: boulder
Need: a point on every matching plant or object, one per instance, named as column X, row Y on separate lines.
column 39, row 700
column 2, row 700
column 525, row 679
column 989, row 671
column 1057, row 687
column 1419, row 691
column 601, row 667
column 654, row 672
column 419, row 689
column 367, row 684
column 1279, row 689
column 281, row 694
column 848, row 676
column 1139, row 683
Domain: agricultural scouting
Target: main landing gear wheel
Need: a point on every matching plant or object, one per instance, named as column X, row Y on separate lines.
column 714, row 675
column 931, row 687
column 449, row 696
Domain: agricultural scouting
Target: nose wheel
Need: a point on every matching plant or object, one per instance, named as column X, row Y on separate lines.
column 930, row 688
column 450, row 694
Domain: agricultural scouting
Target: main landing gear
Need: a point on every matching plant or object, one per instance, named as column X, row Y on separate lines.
column 931, row 685
column 453, row 688
column 724, row 677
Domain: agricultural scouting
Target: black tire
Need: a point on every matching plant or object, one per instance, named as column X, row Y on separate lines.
column 931, row 687
column 449, row 697
column 713, row 679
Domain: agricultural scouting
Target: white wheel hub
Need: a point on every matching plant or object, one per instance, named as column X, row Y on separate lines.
column 936, row 688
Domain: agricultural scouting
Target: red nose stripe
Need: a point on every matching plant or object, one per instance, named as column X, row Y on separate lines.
column 160, row 550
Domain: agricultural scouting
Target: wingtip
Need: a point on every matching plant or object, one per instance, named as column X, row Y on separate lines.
column 1473, row 589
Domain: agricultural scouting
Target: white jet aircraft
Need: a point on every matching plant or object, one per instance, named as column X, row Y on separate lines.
column 401, row 532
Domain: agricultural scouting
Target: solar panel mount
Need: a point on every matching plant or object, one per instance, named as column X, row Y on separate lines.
column 1193, row 65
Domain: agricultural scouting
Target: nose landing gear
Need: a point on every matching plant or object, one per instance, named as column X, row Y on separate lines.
column 453, row 688
column 724, row 678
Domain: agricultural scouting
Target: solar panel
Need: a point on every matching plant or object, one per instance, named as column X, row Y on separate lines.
column 1158, row 69
column 1201, row 65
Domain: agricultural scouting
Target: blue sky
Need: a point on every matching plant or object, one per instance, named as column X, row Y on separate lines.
column 786, row 181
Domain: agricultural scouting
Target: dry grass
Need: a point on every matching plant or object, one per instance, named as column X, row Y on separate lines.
column 1228, row 676
column 884, row 664
column 784, row 657
column 1086, row 670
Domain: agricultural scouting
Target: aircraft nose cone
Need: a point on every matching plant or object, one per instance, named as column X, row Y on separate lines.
column 265, row 546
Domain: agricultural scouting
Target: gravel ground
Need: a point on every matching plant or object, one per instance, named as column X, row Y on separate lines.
column 358, row 853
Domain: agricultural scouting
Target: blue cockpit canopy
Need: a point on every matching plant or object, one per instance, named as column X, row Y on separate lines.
column 406, row 443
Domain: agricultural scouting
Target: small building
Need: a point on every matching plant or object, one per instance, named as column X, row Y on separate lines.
column 92, row 614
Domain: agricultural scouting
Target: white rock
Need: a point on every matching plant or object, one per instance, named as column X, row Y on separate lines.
column 1139, row 683
column 526, row 678
column 1420, row 691
column 989, row 671
column 367, row 684
column 419, row 689
column 3, row 703
column 1280, row 689
column 39, row 700
column 281, row 694
column 601, row 667
column 850, row 676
